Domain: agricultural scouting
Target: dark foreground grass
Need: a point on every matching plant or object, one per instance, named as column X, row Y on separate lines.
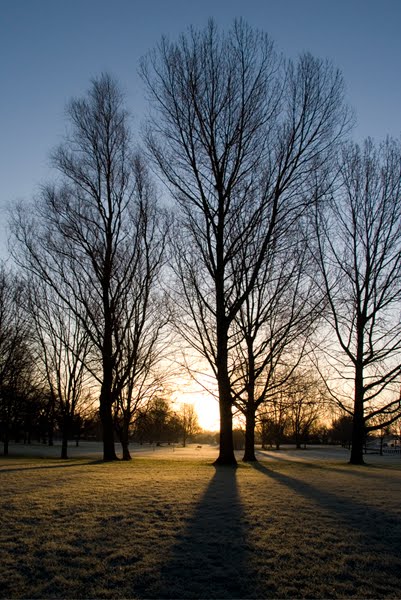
column 184, row 529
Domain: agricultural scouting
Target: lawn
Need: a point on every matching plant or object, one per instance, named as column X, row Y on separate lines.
column 168, row 528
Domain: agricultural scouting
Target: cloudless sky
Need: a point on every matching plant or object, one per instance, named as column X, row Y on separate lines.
column 50, row 50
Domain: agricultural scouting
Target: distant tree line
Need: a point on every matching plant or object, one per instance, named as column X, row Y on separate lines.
column 276, row 257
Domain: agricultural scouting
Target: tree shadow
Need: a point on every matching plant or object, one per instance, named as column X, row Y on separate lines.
column 365, row 471
column 62, row 465
column 338, row 466
column 377, row 529
column 272, row 455
column 343, row 468
column 210, row 558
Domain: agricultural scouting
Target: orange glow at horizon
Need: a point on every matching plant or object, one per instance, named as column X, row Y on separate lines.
column 205, row 404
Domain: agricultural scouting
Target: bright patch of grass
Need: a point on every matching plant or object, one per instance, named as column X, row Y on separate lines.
column 183, row 529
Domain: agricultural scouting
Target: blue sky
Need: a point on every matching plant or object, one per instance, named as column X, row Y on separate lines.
column 50, row 49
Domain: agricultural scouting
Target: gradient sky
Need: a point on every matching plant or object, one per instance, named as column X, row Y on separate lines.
column 50, row 49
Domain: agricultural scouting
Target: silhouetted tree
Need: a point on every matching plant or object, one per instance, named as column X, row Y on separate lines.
column 95, row 239
column 140, row 365
column 271, row 432
column 16, row 359
column 273, row 416
column 305, row 404
column 341, row 430
column 237, row 136
column 136, row 401
column 62, row 344
column 359, row 250
column 381, row 432
column 188, row 422
column 272, row 329
column 157, row 422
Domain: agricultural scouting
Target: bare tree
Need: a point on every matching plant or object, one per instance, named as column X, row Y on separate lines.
column 147, row 378
column 273, row 418
column 341, row 429
column 96, row 239
column 272, row 328
column 62, row 351
column 188, row 422
column 359, row 251
column 237, row 134
column 157, row 422
column 305, row 405
column 16, row 358
column 382, row 431
column 141, row 338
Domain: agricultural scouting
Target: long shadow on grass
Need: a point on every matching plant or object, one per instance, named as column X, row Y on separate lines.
column 274, row 456
column 209, row 559
column 378, row 530
column 298, row 455
column 366, row 471
column 343, row 467
column 63, row 465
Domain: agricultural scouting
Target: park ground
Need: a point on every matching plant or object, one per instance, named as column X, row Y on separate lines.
column 299, row 524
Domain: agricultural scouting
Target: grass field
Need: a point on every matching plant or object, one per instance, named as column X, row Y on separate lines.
column 159, row 527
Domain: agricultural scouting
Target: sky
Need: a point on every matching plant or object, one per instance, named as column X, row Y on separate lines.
column 51, row 49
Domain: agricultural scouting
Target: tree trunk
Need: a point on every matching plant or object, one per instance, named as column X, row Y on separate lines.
column 125, row 450
column 249, row 454
column 226, row 450
column 50, row 420
column 64, row 446
column 65, row 435
column 358, row 429
column 358, row 435
column 123, row 435
column 105, row 401
column 106, row 417
column 226, row 453
column 6, row 437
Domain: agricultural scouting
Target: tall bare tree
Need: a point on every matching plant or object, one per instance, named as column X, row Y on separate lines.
column 272, row 329
column 144, row 357
column 237, row 133
column 95, row 238
column 188, row 422
column 62, row 344
column 273, row 416
column 306, row 403
column 359, row 251
column 16, row 358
